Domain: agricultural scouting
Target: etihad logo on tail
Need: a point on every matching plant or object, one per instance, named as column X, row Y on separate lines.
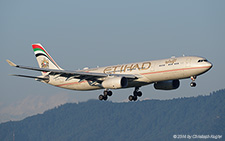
column 45, row 63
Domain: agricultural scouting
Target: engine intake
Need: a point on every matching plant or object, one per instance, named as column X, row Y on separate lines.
column 115, row 83
column 167, row 85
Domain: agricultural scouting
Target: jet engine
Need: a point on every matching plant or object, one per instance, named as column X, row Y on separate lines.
column 167, row 85
column 115, row 83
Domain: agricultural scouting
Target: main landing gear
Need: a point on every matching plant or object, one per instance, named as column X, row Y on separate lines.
column 135, row 95
column 105, row 95
column 193, row 78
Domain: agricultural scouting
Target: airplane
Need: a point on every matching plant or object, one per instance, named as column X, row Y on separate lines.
column 165, row 74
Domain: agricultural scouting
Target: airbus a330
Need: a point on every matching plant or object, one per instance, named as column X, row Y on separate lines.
column 164, row 74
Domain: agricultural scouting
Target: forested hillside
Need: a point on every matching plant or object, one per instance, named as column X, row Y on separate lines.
column 141, row 120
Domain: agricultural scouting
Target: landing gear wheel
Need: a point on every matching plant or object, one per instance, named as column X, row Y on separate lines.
column 132, row 98
column 193, row 84
column 109, row 93
column 101, row 97
column 139, row 94
column 193, row 78
column 135, row 95
column 106, row 92
column 105, row 95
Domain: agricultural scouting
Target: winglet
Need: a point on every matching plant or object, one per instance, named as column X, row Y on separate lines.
column 11, row 63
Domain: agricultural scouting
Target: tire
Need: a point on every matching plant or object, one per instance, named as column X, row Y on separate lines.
column 130, row 97
column 101, row 97
column 139, row 93
column 105, row 93
column 193, row 84
column 135, row 98
column 109, row 93
column 105, row 97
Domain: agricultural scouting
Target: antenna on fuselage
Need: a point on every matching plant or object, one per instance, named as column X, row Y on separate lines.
column 173, row 56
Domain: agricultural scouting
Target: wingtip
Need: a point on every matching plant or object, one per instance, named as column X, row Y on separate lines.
column 11, row 63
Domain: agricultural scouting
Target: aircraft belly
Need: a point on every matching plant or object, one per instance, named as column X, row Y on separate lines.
column 75, row 84
column 194, row 72
column 181, row 73
column 84, row 86
column 165, row 75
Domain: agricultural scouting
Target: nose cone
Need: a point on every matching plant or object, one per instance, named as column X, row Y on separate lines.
column 210, row 65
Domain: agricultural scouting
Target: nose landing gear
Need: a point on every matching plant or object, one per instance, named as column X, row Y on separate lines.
column 193, row 84
column 135, row 95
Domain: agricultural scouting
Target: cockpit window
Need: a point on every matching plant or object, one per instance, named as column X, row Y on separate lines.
column 203, row 60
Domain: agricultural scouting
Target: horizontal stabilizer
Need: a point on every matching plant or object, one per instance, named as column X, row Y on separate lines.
column 11, row 63
column 34, row 77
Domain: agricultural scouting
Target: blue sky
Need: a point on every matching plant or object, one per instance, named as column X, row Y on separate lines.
column 81, row 34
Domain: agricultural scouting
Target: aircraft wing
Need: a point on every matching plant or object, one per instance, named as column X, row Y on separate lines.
column 75, row 74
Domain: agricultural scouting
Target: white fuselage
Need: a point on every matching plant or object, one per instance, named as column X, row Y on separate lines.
column 147, row 72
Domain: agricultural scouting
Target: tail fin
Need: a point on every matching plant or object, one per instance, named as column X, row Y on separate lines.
column 43, row 58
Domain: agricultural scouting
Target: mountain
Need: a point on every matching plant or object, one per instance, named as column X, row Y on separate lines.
column 141, row 120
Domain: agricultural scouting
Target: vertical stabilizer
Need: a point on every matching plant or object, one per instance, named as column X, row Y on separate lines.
column 43, row 58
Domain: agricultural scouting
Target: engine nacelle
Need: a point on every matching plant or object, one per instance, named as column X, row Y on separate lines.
column 167, row 85
column 115, row 83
